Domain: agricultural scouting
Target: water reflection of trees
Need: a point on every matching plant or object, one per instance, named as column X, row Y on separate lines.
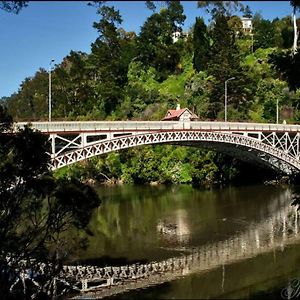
column 126, row 223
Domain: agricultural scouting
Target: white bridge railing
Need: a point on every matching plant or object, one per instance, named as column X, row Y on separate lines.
column 82, row 126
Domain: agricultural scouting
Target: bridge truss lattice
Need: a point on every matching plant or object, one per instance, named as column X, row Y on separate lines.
column 277, row 150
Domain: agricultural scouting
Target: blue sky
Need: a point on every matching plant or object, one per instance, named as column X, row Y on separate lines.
column 51, row 29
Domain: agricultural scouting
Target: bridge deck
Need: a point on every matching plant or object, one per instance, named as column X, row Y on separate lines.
column 129, row 126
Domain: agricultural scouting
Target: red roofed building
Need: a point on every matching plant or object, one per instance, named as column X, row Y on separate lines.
column 180, row 114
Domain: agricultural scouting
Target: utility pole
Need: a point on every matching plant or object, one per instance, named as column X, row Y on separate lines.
column 277, row 111
column 49, row 102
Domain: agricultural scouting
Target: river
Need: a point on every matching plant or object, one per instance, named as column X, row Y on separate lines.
column 154, row 223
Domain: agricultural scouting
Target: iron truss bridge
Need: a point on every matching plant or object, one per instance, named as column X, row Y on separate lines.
column 273, row 145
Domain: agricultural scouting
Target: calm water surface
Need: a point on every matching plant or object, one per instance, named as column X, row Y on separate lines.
column 142, row 224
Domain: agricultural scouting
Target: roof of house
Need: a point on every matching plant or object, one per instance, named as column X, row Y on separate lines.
column 176, row 113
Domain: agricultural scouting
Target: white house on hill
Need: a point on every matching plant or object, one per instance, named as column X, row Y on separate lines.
column 247, row 24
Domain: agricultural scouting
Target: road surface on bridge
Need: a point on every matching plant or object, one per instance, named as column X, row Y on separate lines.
column 105, row 126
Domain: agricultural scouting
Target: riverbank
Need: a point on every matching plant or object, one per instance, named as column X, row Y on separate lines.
column 279, row 180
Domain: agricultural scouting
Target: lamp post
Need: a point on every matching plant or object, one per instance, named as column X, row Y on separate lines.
column 277, row 111
column 225, row 104
column 50, row 105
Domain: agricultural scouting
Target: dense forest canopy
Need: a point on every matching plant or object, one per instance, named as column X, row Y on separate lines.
column 130, row 76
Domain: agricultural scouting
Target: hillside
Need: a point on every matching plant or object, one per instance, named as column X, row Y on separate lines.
column 129, row 76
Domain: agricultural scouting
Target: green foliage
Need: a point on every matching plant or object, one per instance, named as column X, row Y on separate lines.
column 247, row 12
column 31, row 101
column 288, row 66
column 224, row 63
column 13, row 6
column 244, row 45
column 155, row 45
column 201, row 45
column 256, row 65
column 220, row 7
column 236, row 25
column 36, row 208
column 6, row 120
column 264, row 32
column 162, row 164
column 174, row 85
column 150, row 5
column 197, row 93
column 269, row 91
column 108, row 62
column 283, row 35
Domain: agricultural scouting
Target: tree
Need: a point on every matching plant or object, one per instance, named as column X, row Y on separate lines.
column 71, row 91
column 263, row 32
column 5, row 119
column 283, row 29
column 175, row 15
column 224, row 64
column 296, row 6
column 247, row 12
column 13, row 6
column 155, row 44
column 150, row 5
column 268, row 92
column 105, row 65
column 31, row 100
column 287, row 33
column 38, row 212
column 201, row 45
column 220, row 7
column 287, row 64
column 235, row 24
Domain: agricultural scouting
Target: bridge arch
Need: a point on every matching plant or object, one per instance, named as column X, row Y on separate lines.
column 233, row 144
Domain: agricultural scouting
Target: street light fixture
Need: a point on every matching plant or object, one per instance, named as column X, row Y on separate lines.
column 225, row 104
column 50, row 105
column 277, row 111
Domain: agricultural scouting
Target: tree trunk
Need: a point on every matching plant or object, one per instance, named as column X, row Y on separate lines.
column 296, row 33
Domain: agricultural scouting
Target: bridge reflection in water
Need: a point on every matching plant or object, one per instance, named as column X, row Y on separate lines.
column 276, row 231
